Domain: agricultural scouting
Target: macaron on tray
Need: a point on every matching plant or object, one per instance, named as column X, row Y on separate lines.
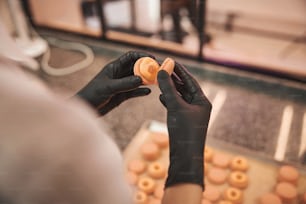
column 230, row 177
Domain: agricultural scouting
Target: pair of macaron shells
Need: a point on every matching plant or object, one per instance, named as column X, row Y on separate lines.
column 236, row 179
column 230, row 195
column 142, row 198
column 147, row 68
column 155, row 170
column 147, row 185
column 285, row 189
column 238, row 163
column 284, row 193
column 151, row 151
column 218, row 175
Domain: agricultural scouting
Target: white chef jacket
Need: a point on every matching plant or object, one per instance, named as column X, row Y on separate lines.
column 53, row 150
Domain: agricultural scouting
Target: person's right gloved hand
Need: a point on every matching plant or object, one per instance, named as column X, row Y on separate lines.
column 188, row 113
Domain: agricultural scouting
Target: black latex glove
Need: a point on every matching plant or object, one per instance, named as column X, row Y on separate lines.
column 115, row 84
column 188, row 112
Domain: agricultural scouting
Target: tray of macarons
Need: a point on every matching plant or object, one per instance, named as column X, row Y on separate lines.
column 231, row 177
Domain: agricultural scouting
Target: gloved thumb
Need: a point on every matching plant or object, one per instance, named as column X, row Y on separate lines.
column 125, row 84
column 169, row 93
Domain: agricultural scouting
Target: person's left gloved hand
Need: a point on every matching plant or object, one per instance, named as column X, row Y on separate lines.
column 188, row 113
column 115, row 84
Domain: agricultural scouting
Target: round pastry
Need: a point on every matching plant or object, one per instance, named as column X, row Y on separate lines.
column 147, row 68
column 168, row 65
column 288, row 174
column 132, row 178
column 146, row 185
column 208, row 154
column 238, row 179
column 211, row 193
column 159, row 191
column 137, row 166
column 239, row 163
column 234, row 195
column 150, row 151
column 140, row 198
column 286, row 191
column 162, row 140
column 217, row 176
column 156, row 170
column 270, row 198
column 221, row 160
column 204, row 201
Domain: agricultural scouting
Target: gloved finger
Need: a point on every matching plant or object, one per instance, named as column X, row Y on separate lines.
column 190, row 84
column 125, row 84
column 179, row 85
column 136, row 93
column 176, row 78
column 121, row 97
column 168, row 90
column 132, row 56
column 162, row 100
column 125, row 64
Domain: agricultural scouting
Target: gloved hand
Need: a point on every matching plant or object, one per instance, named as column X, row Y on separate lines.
column 115, row 84
column 188, row 113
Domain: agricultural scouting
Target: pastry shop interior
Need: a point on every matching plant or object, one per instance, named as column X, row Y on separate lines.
column 247, row 57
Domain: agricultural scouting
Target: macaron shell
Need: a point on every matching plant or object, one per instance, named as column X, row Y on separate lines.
column 288, row 174
column 168, row 65
column 269, row 198
column 138, row 72
column 286, row 191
